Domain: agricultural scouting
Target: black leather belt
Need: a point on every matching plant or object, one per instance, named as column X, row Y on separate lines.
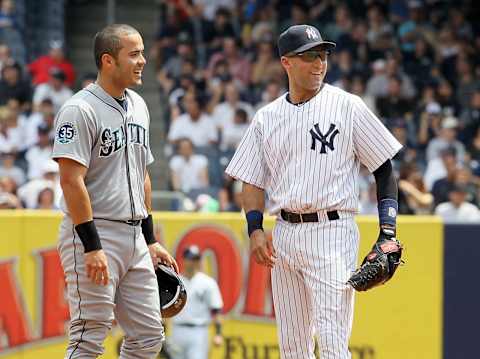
column 307, row 217
column 130, row 222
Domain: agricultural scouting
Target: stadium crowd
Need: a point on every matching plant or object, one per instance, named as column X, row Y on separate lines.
column 415, row 63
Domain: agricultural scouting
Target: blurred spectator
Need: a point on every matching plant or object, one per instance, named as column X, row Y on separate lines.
column 46, row 199
column 11, row 136
column 447, row 137
column 399, row 129
column 8, row 169
column 414, row 28
column 233, row 132
column 223, row 113
column 40, row 68
column 230, row 197
column 463, row 177
column 8, row 194
column 266, row 66
column 457, row 209
column 39, row 154
column 172, row 23
column 208, row 8
column 430, row 124
column 194, row 124
column 470, row 118
column 189, row 171
column 458, row 23
column 214, row 31
column 12, row 84
column 439, row 167
column 55, row 89
column 393, row 104
column 270, row 93
column 185, row 52
column 239, row 66
column 7, row 15
column 9, row 201
column 44, row 116
column 394, row 68
column 49, row 178
column 376, row 85
column 343, row 23
column 342, row 69
column 186, row 84
column 442, row 186
column 5, row 55
column 413, row 197
column 419, row 66
column 448, row 48
column 474, row 151
column 379, row 30
column 446, row 98
column 357, row 87
column 465, row 81
column 265, row 24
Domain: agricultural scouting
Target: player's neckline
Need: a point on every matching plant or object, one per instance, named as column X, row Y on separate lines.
column 300, row 104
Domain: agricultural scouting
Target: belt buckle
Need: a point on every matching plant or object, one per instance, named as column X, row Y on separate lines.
column 301, row 217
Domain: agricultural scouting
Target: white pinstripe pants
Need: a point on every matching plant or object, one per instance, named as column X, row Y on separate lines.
column 309, row 287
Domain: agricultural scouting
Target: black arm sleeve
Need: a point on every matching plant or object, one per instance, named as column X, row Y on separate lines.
column 386, row 182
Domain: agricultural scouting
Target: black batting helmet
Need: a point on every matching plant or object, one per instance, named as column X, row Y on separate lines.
column 173, row 295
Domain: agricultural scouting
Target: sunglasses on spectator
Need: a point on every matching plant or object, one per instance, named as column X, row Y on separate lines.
column 312, row 55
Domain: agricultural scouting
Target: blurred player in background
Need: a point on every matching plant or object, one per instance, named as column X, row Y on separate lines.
column 189, row 338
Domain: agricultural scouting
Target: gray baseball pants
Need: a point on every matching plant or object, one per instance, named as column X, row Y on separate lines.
column 131, row 296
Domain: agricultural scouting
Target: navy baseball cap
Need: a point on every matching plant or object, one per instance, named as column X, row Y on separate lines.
column 192, row 252
column 300, row 38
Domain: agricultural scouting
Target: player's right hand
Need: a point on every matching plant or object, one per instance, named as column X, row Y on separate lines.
column 262, row 249
column 96, row 267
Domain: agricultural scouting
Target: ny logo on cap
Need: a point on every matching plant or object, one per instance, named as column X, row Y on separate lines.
column 311, row 33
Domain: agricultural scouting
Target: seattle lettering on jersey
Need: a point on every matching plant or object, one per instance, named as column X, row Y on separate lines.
column 317, row 135
column 114, row 140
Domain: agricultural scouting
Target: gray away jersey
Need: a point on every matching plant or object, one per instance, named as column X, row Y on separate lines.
column 94, row 130
column 307, row 157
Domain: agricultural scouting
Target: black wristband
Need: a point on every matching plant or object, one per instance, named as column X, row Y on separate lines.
column 254, row 221
column 89, row 236
column 147, row 229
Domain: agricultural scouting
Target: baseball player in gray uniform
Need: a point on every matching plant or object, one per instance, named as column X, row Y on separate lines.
column 304, row 150
column 106, row 242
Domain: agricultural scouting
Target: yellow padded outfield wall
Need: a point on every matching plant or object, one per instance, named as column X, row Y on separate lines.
column 398, row 321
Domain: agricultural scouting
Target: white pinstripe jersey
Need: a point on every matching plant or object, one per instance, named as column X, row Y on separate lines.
column 307, row 157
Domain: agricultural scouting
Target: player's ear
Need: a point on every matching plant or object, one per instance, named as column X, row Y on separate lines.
column 107, row 60
column 285, row 61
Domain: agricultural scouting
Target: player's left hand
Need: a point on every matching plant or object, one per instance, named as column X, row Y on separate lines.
column 217, row 340
column 262, row 249
column 160, row 255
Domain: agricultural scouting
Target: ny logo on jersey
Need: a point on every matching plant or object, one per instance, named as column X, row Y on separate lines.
column 326, row 140
column 311, row 33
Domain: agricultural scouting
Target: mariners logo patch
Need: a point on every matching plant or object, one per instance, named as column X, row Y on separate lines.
column 66, row 133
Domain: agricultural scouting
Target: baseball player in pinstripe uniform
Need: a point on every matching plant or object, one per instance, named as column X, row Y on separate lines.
column 304, row 150
column 106, row 242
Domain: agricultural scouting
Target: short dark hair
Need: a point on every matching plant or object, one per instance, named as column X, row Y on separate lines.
column 107, row 41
